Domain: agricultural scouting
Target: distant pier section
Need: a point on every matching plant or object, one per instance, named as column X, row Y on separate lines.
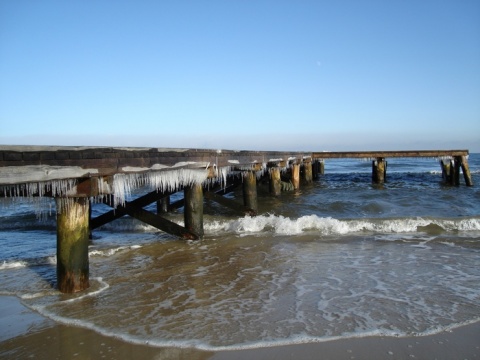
column 76, row 176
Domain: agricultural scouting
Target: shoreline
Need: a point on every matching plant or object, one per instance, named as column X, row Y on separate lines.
column 24, row 333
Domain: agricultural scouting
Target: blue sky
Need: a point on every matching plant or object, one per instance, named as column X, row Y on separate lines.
column 260, row 75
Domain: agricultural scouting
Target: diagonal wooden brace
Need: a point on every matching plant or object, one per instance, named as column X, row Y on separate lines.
column 159, row 222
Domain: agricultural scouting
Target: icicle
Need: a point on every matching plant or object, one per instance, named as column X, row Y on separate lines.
column 444, row 158
column 66, row 204
column 260, row 173
column 172, row 180
column 222, row 174
column 163, row 181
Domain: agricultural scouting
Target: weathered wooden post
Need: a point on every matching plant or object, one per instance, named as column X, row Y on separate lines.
column 163, row 204
column 466, row 171
column 275, row 181
column 315, row 169
column 318, row 168
column 322, row 167
column 193, row 213
column 379, row 170
column 455, row 171
column 250, row 190
column 296, row 176
column 307, row 171
column 445, row 170
column 72, row 244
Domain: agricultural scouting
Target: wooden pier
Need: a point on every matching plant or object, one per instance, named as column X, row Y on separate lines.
column 76, row 175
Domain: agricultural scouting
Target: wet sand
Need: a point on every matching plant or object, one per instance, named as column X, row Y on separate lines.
column 25, row 334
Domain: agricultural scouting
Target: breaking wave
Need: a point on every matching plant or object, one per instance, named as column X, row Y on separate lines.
column 281, row 225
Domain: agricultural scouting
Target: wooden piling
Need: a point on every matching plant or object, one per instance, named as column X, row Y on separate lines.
column 378, row 170
column 315, row 169
column 275, row 181
column 250, row 190
column 318, row 168
column 193, row 213
column 296, row 176
column 72, row 244
column 307, row 171
column 445, row 171
column 159, row 222
column 466, row 171
column 455, row 171
column 163, row 205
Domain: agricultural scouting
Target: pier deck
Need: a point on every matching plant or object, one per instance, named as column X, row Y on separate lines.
column 76, row 175
column 23, row 164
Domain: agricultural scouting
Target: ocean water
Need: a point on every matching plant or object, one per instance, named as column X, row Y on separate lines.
column 339, row 258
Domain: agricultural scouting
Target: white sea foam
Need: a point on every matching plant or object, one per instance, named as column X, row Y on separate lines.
column 315, row 292
column 113, row 251
column 13, row 265
column 18, row 264
column 330, row 226
column 41, row 294
column 52, row 260
column 103, row 286
column 298, row 339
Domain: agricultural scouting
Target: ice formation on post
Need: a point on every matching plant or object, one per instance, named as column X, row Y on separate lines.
column 51, row 188
column 39, row 193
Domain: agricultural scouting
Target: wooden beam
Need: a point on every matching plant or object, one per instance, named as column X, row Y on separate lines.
column 239, row 209
column 160, row 222
column 120, row 210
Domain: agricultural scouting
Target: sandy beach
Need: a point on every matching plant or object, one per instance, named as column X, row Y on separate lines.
column 25, row 334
